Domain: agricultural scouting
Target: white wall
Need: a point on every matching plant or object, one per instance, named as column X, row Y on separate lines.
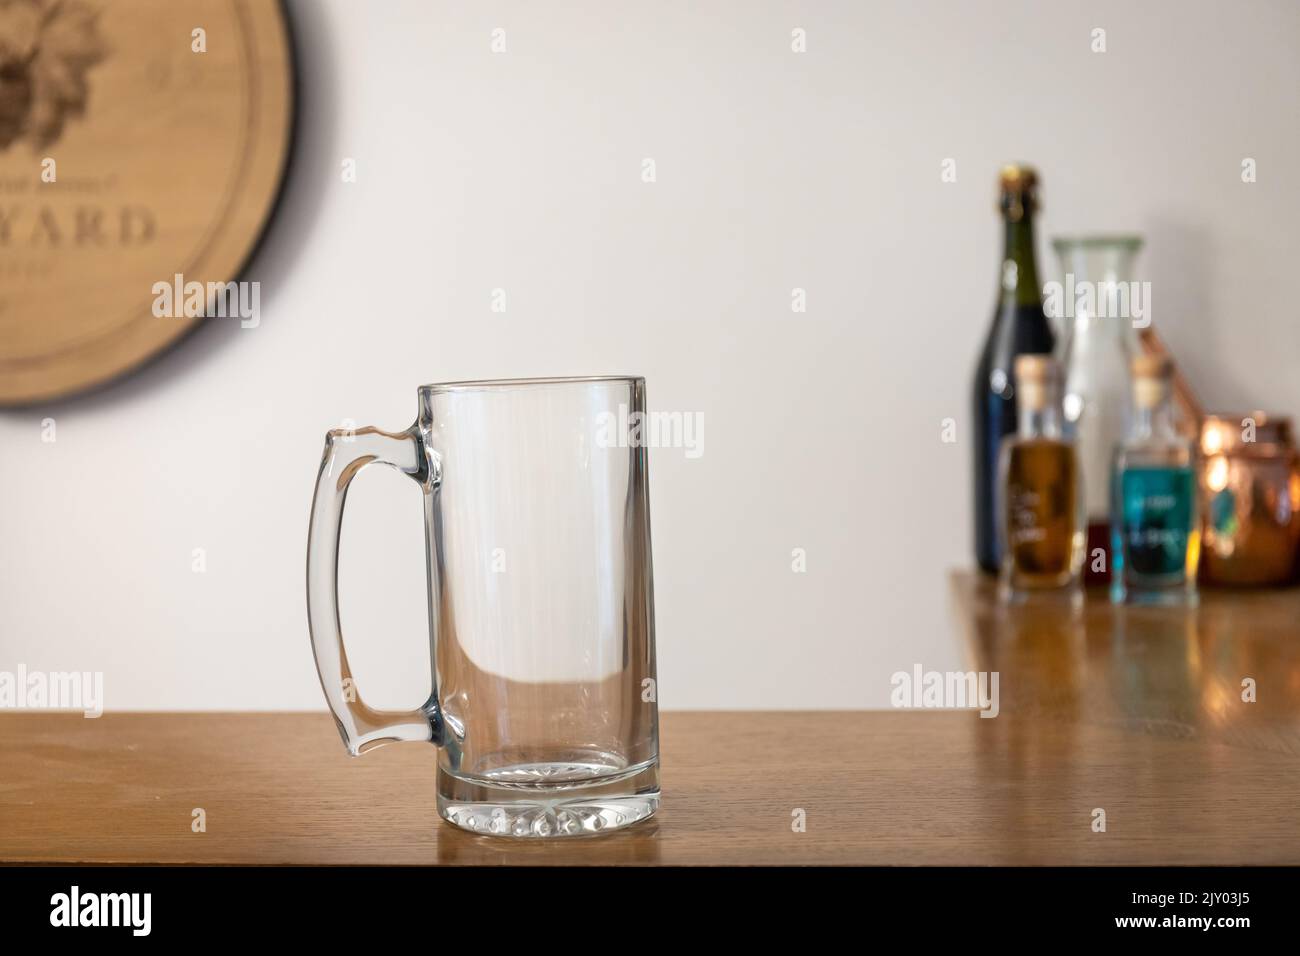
column 775, row 170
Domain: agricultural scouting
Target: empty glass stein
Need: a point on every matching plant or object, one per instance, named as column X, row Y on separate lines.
column 541, row 602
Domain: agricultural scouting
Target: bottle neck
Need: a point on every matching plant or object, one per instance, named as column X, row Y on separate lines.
column 1041, row 422
column 1019, row 267
column 1153, row 422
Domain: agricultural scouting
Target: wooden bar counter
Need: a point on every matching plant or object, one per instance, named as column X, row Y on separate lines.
column 1137, row 712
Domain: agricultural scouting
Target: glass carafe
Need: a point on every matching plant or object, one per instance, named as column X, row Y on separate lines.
column 1097, row 310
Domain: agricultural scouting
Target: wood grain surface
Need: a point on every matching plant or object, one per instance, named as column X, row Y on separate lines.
column 1136, row 712
column 131, row 151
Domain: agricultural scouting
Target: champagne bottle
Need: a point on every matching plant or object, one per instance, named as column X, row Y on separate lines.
column 1019, row 327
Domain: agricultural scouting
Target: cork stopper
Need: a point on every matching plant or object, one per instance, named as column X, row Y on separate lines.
column 1152, row 377
column 1035, row 379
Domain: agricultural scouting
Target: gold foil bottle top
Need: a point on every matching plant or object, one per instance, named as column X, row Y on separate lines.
column 1152, row 378
column 1017, row 191
column 1035, row 380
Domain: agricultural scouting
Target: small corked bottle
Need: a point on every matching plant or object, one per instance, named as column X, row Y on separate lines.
column 1041, row 505
column 1156, row 539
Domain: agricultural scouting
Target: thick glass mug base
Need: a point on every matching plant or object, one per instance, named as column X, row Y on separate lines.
column 548, row 800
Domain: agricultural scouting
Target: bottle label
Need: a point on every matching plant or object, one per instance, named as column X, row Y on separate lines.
column 1158, row 519
column 1041, row 505
column 1026, row 524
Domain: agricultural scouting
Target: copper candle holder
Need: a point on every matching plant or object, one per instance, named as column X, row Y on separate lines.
column 1250, row 500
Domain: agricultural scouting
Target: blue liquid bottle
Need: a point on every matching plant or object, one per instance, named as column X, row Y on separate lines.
column 1156, row 540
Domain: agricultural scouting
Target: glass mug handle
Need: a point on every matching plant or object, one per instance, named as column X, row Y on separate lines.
column 346, row 453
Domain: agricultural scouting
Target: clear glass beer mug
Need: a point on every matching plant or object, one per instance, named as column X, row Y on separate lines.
column 541, row 602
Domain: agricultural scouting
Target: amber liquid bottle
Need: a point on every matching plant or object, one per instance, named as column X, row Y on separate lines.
column 1019, row 327
column 1042, row 524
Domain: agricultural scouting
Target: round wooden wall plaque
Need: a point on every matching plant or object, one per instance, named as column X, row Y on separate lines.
column 139, row 141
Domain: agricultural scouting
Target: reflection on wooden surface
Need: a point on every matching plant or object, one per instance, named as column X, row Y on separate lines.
column 1139, row 712
column 1157, row 671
